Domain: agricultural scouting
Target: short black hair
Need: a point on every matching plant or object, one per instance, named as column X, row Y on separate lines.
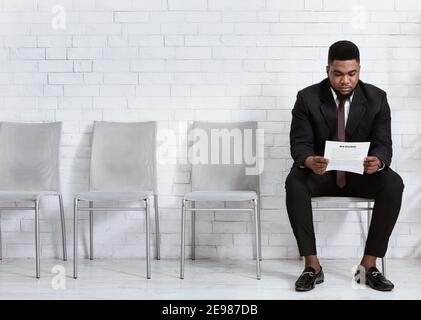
column 343, row 50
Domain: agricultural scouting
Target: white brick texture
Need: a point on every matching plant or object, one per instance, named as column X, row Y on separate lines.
column 173, row 61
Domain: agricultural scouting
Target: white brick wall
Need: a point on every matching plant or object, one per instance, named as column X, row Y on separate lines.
column 184, row 60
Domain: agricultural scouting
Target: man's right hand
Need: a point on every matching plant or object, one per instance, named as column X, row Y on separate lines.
column 317, row 164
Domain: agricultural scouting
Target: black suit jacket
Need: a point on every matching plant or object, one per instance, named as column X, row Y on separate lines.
column 314, row 120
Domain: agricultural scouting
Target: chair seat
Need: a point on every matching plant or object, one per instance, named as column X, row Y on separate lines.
column 221, row 195
column 341, row 199
column 24, row 195
column 113, row 196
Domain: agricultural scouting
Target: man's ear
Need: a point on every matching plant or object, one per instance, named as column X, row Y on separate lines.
column 327, row 69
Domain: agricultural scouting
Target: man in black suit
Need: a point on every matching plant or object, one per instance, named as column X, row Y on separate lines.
column 342, row 108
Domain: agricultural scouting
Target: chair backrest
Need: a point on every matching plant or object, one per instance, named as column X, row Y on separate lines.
column 29, row 156
column 123, row 156
column 215, row 173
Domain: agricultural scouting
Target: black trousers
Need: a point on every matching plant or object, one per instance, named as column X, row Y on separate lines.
column 385, row 186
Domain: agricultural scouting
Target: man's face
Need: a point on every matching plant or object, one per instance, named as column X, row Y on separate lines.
column 344, row 75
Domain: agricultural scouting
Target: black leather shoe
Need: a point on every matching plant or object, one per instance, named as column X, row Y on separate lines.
column 308, row 279
column 376, row 280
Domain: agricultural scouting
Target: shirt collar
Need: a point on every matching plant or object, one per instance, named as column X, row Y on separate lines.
column 335, row 96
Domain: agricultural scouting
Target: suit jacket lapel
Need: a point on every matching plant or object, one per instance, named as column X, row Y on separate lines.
column 357, row 110
column 328, row 107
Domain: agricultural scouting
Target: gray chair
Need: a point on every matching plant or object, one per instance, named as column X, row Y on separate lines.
column 123, row 169
column 212, row 182
column 29, row 171
column 342, row 204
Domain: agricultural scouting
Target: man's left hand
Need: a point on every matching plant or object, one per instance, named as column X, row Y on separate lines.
column 372, row 164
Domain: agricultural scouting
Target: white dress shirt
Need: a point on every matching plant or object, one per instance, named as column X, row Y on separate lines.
column 347, row 106
column 347, row 103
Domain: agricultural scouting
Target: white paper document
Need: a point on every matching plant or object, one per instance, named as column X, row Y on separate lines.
column 346, row 156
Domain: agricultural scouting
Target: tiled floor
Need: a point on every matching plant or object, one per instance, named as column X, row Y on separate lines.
column 204, row 279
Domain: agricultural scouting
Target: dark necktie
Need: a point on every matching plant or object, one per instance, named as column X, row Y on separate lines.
column 340, row 175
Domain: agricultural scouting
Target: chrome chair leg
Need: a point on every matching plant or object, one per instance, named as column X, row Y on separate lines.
column 157, row 234
column 63, row 227
column 260, row 229
column 91, row 231
column 258, row 254
column 37, row 242
column 148, row 257
column 183, row 223
column 384, row 266
column 193, row 231
column 75, row 238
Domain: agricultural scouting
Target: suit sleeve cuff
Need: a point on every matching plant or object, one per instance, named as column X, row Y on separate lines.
column 301, row 161
column 382, row 167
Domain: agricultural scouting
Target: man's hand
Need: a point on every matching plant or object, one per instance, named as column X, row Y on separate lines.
column 372, row 164
column 316, row 164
